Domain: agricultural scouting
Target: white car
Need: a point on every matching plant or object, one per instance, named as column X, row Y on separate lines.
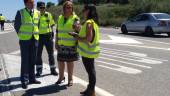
column 148, row 23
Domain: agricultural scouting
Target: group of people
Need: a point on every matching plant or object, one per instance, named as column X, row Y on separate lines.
column 2, row 21
column 34, row 28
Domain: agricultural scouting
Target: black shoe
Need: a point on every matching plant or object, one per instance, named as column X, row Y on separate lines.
column 88, row 93
column 60, row 81
column 24, row 85
column 34, row 82
column 84, row 92
column 54, row 73
column 38, row 73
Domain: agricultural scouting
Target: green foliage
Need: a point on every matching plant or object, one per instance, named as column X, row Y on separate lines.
column 114, row 14
column 50, row 4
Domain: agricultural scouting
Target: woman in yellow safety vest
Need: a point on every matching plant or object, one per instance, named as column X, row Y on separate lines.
column 66, row 44
column 88, row 45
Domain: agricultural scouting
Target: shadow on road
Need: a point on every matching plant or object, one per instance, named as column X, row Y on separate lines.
column 5, row 86
column 45, row 90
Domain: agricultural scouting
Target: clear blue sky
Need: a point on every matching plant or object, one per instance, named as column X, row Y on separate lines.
column 9, row 7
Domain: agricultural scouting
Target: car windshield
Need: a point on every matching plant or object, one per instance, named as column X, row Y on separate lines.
column 162, row 16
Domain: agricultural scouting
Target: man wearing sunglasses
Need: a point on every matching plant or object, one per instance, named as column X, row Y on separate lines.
column 46, row 39
column 26, row 26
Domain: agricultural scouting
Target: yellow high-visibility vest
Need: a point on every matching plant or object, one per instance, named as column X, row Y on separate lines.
column 91, row 49
column 2, row 18
column 64, row 28
column 29, row 25
column 46, row 21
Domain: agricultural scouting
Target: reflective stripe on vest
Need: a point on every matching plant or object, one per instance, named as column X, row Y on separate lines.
column 24, row 32
column 90, row 50
column 64, row 28
column 29, row 25
column 67, row 39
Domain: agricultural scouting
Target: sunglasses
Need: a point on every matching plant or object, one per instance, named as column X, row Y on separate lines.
column 42, row 7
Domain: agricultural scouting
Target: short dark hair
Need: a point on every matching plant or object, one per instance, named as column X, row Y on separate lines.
column 92, row 12
column 25, row 1
column 40, row 4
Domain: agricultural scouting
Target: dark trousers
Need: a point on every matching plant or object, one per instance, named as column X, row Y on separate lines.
column 2, row 24
column 47, row 41
column 28, row 57
column 90, row 68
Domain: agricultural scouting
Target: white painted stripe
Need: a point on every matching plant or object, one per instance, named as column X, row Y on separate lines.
column 5, row 32
column 138, row 54
column 148, row 47
column 148, row 61
column 142, row 39
column 15, row 52
column 129, row 52
column 120, row 68
column 3, row 70
column 116, row 40
column 148, row 67
column 153, row 41
column 131, row 57
column 97, row 89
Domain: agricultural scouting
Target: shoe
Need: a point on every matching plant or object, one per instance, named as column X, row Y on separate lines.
column 88, row 93
column 38, row 73
column 84, row 92
column 60, row 81
column 34, row 82
column 70, row 83
column 54, row 72
column 24, row 85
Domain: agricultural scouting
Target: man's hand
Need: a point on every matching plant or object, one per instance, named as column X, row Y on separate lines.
column 56, row 46
column 74, row 34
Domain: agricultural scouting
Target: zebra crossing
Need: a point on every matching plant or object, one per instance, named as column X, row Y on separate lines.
column 122, row 61
column 8, row 27
column 126, row 61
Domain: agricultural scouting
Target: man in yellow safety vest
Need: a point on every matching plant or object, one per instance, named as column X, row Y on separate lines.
column 46, row 35
column 26, row 26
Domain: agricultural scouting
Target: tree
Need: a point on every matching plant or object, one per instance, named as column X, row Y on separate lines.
column 50, row 4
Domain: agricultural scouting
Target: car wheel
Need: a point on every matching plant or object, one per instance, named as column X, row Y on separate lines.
column 149, row 31
column 168, row 34
column 124, row 29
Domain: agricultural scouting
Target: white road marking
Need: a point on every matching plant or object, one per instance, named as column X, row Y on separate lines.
column 152, row 41
column 148, row 47
column 8, row 28
column 3, row 70
column 15, row 52
column 143, row 40
column 138, row 54
column 15, row 70
column 120, row 68
column 120, row 40
column 148, row 67
column 143, row 60
column 129, row 53
column 117, row 40
column 5, row 32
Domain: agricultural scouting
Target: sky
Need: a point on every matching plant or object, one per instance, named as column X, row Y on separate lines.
column 9, row 7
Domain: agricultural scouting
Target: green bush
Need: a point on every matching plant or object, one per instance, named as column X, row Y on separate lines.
column 114, row 14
